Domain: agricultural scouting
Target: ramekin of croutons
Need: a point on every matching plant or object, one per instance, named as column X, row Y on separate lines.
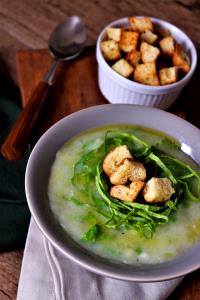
column 144, row 61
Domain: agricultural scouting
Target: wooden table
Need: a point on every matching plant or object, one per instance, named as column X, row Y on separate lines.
column 27, row 24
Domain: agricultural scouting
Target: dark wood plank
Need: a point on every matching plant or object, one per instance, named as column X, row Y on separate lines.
column 188, row 289
column 10, row 264
column 75, row 88
column 25, row 59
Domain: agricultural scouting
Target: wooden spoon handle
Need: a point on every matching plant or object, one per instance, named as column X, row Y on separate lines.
column 17, row 141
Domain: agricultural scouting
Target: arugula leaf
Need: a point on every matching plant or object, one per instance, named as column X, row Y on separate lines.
column 163, row 167
column 188, row 192
column 85, row 168
column 138, row 250
column 115, row 138
column 92, row 234
column 166, row 143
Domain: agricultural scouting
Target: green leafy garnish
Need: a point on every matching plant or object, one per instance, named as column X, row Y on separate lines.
column 91, row 235
column 90, row 179
column 138, row 250
column 143, row 217
column 165, row 169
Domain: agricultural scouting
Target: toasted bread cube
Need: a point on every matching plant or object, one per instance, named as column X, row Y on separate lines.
column 121, row 175
column 138, row 171
column 149, row 37
column 114, row 159
column 128, row 41
column 140, row 24
column 123, row 193
column 148, row 53
column 158, row 190
column 180, row 59
column 137, row 186
column 168, row 75
column 146, row 74
column 167, row 45
column 129, row 169
column 110, row 50
column 123, row 67
column 133, row 57
column 114, row 34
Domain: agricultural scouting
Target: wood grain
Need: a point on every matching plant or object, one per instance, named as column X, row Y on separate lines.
column 26, row 24
column 9, row 274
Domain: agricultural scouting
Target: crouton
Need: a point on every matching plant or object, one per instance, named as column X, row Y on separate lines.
column 138, row 171
column 121, row 175
column 110, row 50
column 123, row 193
column 123, row 67
column 158, row 190
column 168, row 75
column 148, row 53
column 114, row 158
column 137, row 186
column 114, row 34
column 128, row 41
column 140, row 24
column 167, row 45
column 133, row 57
column 180, row 59
column 149, row 37
column 146, row 74
column 129, row 169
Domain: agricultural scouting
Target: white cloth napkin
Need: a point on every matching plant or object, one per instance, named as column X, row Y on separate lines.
column 46, row 274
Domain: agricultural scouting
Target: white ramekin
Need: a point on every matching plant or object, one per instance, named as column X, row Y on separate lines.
column 118, row 89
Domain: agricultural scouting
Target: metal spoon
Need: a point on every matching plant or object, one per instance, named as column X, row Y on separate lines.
column 66, row 42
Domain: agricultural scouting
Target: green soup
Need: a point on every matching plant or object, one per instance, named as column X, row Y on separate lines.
column 78, row 207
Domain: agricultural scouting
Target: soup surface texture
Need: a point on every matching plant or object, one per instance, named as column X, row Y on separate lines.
column 81, row 211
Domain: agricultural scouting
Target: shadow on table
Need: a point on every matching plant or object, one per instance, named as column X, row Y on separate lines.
column 189, row 100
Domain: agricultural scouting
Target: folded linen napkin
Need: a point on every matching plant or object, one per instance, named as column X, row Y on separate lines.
column 48, row 275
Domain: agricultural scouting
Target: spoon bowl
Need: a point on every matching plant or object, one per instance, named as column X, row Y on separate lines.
column 68, row 39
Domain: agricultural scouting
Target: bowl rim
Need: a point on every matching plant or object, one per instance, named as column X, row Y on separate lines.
column 92, row 266
column 133, row 84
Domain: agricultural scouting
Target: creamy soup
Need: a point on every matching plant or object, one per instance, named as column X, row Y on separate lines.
column 78, row 206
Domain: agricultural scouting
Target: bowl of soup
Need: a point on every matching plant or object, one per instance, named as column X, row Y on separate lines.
column 116, row 188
